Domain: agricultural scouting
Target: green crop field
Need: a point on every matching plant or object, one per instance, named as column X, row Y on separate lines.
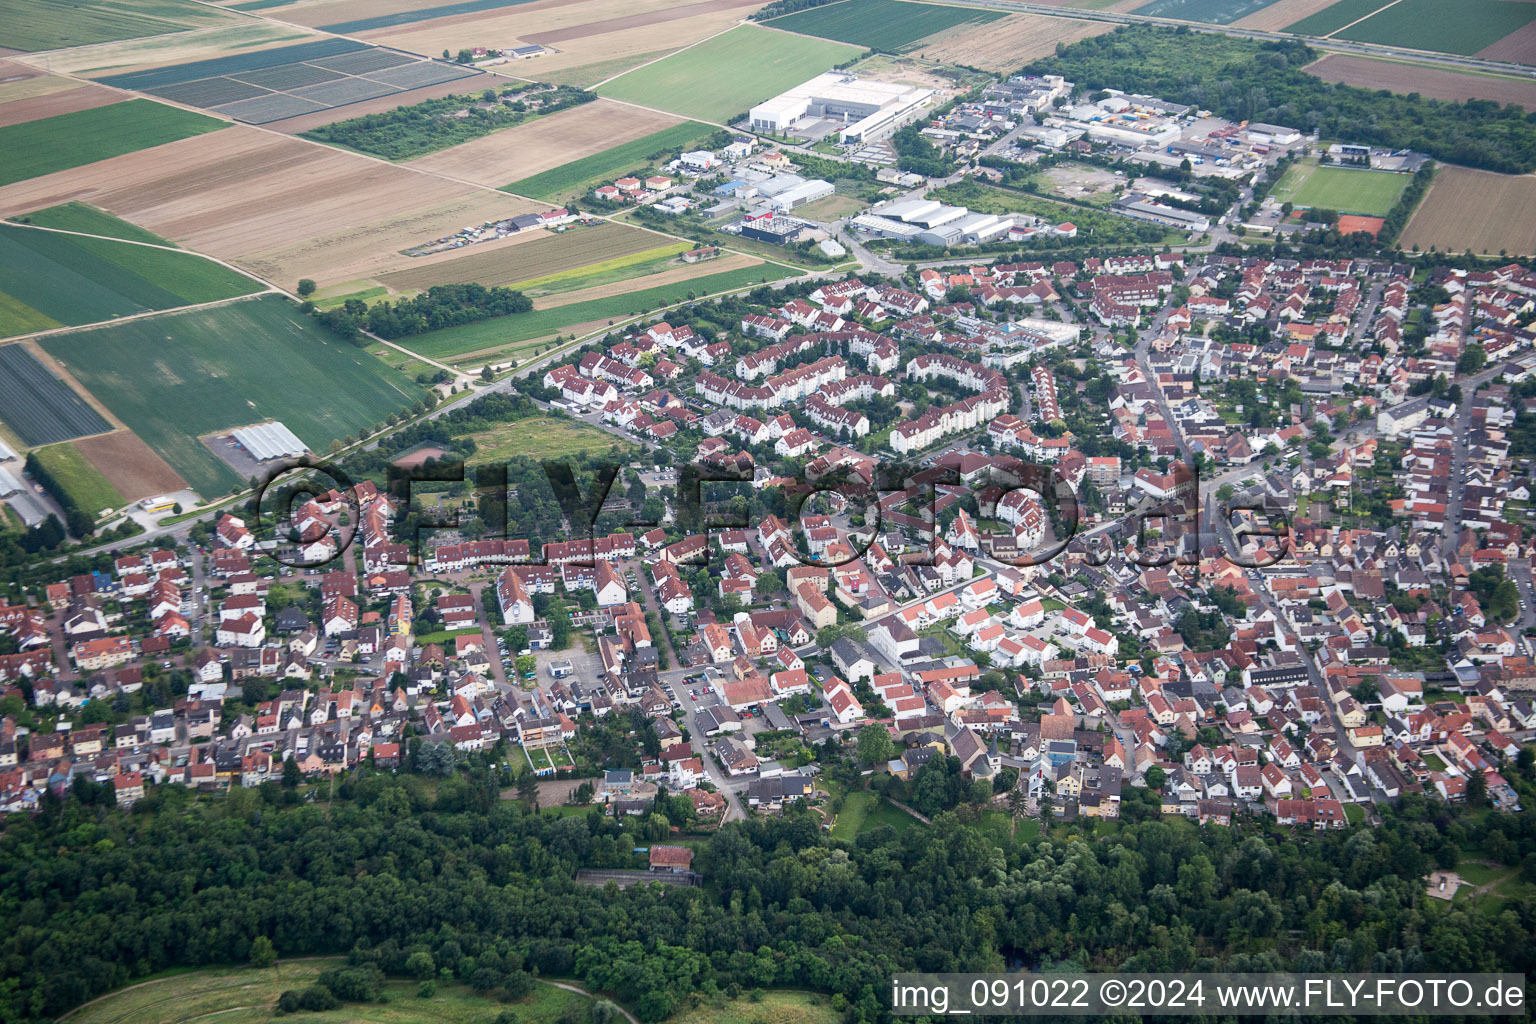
column 574, row 178
column 249, row 996
column 544, row 437
column 1370, row 193
column 889, row 25
column 174, row 378
column 542, row 323
column 721, row 78
column 1331, row 19
column 48, row 279
column 86, row 136
column 52, row 24
column 82, row 481
column 1215, row 12
column 90, row 221
column 1447, row 26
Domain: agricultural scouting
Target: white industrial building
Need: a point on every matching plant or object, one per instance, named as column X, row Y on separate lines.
column 933, row 223
column 865, row 107
column 267, row 441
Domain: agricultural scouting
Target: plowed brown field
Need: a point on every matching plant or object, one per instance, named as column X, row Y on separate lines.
column 1477, row 210
column 1004, row 45
column 130, row 465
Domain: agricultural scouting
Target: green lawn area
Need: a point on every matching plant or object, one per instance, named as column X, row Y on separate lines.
column 543, row 437
column 574, row 178
column 249, row 996
column 1480, row 874
column 50, row 279
column 53, row 24
column 445, row 636
column 81, row 217
column 83, row 482
column 1433, row 762
column 1446, row 26
column 174, row 378
column 501, row 334
column 86, row 136
column 1369, row 193
column 850, row 820
column 721, row 78
column 772, row 1008
column 889, row 25
column 1355, row 813
column 887, row 813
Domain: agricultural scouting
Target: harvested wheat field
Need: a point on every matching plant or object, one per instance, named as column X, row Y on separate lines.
column 22, row 82
column 175, row 48
column 1282, row 13
column 1518, row 46
column 528, row 149
column 674, row 275
column 587, row 30
column 1477, row 210
column 1432, row 83
column 129, row 464
column 543, row 253
column 68, row 101
column 1003, row 46
column 276, row 207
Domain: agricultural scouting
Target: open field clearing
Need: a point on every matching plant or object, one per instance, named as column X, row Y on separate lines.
column 81, row 481
column 175, row 378
column 744, row 66
column 1281, row 13
column 1332, row 17
column 381, row 16
column 87, row 136
column 20, row 81
column 1435, row 83
column 583, row 287
column 40, row 407
column 774, row 1008
column 593, row 275
column 578, row 317
column 277, row 207
column 1004, row 46
column 91, row 221
column 56, row 102
column 1215, row 12
column 546, row 253
column 831, row 208
column 74, row 280
column 244, row 35
column 573, row 178
column 548, row 437
column 249, row 996
column 592, row 30
column 53, row 24
column 1448, row 26
column 129, row 464
column 889, row 25
column 586, row 75
column 1477, row 210
column 1519, row 45
column 546, row 143
column 1371, row 193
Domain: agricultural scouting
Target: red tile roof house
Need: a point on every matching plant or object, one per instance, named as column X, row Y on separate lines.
column 675, row 859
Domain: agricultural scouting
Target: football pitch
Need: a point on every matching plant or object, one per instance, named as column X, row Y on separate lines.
column 1371, row 193
column 175, row 378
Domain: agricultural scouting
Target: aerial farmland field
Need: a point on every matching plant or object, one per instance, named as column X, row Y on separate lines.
column 1334, row 17
column 37, row 405
column 539, row 257
column 890, row 25
column 53, row 24
column 91, row 221
column 1216, row 12
column 1477, row 210
column 86, row 136
column 73, row 279
column 81, row 481
column 1447, row 26
column 744, row 66
column 1371, row 193
column 576, row 176
column 174, row 378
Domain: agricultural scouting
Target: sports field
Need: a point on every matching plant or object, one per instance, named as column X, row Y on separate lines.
column 889, row 25
column 575, row 177
column 547, row 437
column 90, row 221
column 1447, row 26
column 1371, row 193
column 53, row 24
column 39, row 407
column 74, row 280
column 86, row 136
column 1215, row 12
column 81, row 481
column 721, row 78
column 540, row 257
column 174, row 378
column 543, row 323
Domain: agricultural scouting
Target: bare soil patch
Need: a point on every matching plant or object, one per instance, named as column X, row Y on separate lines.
column 130, row 465
column 1004, row 45
column 537, row 146
column 1432, row 83
column 419, row 456
column 1477, row 210
column 50, row 104
column 1519, row 46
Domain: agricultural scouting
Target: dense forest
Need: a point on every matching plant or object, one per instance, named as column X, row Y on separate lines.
column 1244, row 80
column 440, row 306
column 435, row 124
column 94, row 897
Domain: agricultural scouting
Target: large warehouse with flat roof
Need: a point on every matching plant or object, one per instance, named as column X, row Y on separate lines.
column 270, row 440
column 865, row 106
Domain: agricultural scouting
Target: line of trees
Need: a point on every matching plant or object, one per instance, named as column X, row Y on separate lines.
column 439, row 307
